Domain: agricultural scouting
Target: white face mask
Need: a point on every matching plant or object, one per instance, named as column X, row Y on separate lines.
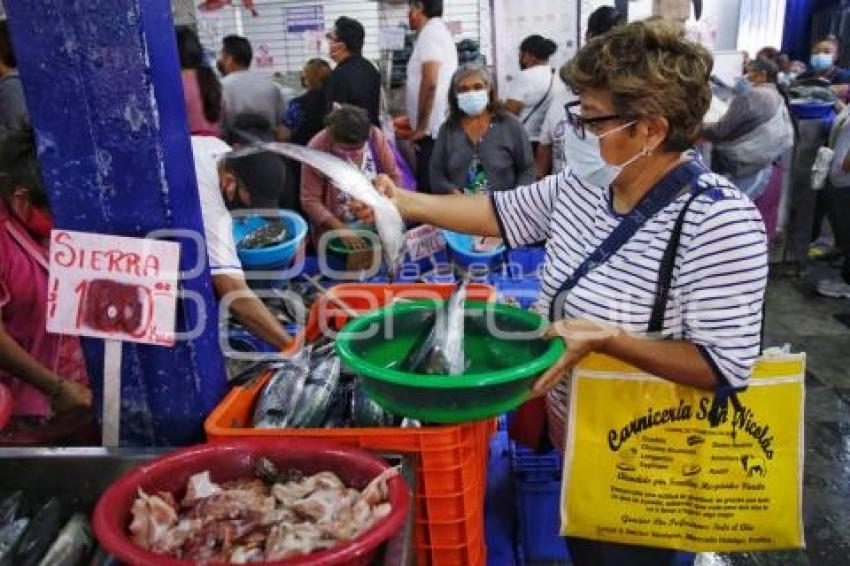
column 585, row 159
column 474, row 102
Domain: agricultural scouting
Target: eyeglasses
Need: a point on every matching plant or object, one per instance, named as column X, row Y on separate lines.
column 580, row 125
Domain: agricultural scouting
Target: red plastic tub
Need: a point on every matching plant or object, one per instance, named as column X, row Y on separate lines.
column 228, row 461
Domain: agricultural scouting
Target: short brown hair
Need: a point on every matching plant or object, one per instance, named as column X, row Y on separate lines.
column 650, row 70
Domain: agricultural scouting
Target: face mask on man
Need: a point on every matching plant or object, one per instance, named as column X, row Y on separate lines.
column 474, row 102
column 585, row 157
column 821, row 61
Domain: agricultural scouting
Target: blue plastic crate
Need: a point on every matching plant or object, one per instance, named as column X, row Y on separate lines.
column 527, row 465
column 539, row 521
column 527, row 259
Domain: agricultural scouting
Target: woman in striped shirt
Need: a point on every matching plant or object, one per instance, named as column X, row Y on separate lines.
column 608, row 221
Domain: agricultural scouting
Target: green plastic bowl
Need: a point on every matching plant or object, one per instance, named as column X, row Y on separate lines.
column 498, row 379
column 339, row 247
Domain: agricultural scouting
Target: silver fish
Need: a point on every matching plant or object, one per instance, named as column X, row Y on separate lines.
column 270, row 234
column 10, row 536
column 9, row 508
column 282, row 393
column 441, row 352
column 446, row 356
column 351, row 180
column 318, row 393
column 74, row 543
column 41, row 532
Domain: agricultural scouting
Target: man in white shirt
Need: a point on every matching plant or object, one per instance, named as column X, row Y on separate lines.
column 551, row 157
column 429, row 75
column 219, row 189
column 245, row 90
column 532, row 91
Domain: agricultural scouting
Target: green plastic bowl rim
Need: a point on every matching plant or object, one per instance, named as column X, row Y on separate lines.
column 361, row 366
column 338, row 247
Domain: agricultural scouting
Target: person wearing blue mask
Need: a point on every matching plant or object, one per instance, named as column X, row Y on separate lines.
column 823, row 67
column 754, row 132
column 650, row 257
column 481, row 147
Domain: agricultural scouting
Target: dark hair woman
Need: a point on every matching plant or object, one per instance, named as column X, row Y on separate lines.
column 480, row 147
column 45, row 372
column 201, row 88
column 535, row 87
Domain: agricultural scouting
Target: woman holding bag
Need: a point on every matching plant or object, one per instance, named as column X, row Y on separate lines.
column 632, row 196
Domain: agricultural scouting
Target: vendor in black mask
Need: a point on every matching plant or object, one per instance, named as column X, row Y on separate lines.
column 223, row 185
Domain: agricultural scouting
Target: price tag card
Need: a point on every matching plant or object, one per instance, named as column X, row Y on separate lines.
column 424, row 241
column 113, row 287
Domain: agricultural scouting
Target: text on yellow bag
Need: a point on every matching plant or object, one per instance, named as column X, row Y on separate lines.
column 643, row 465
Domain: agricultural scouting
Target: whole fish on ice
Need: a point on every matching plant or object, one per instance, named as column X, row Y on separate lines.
column 351, row 181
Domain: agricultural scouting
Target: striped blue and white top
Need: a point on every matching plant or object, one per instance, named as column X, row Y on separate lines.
column 719, row 276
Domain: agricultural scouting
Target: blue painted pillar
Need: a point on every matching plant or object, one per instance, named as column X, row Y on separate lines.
column 103, row 87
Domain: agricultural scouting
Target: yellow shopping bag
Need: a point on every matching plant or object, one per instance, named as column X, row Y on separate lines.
column 643, row 466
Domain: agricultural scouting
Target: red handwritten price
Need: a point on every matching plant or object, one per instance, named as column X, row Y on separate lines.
column 113, row 287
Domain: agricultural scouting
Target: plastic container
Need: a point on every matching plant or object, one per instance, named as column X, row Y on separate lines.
column 450, row 472
column 278, row 256
column 812, row 110
column 539, row 522
column 235, row 460
column 461, row 247
column 331, row 312
column 451, row 469
column 498, row 380
column 6, row 405
column 527, row 260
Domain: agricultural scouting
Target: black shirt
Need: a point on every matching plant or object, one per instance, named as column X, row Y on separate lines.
column 356, row 81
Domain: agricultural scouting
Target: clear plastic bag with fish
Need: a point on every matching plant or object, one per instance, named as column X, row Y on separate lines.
column 266, row 236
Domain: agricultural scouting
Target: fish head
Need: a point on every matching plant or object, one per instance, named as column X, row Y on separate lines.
column 390, row 227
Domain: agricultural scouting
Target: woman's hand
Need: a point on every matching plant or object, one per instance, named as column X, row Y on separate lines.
column 353, row 240
column 582, row 337
column 361, row 211
column 71, row 397
column 389, row 189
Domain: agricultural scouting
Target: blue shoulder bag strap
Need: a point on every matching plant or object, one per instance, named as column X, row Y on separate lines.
column 724, row 392
column 680, row 180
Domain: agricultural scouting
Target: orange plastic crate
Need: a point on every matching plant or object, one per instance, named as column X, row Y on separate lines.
column 472, row 554
column 326, row 314
column 451, row 472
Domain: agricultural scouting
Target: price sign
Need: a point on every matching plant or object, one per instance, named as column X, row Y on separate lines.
column 424, row 241
column 113, row 287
